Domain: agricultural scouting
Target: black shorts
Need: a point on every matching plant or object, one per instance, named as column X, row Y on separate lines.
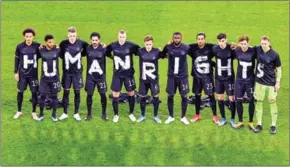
column 117, row 83
column 242, row 87
column 24, row 81
column 91, row 84
column 225, row 85
column 203, row 83
column 145, row 86
column 76, row 80
column 49, row 87
column 181, row 83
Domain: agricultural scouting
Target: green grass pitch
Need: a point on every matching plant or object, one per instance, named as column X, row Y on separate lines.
column 26, row 142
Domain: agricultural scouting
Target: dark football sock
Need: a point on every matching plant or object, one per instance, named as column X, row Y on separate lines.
column 212, row 103
column 156, row 105
column 251, row 110
column 115, row 105
column 240, row 109
column 170, row 103
column 77, row 100
column 222, row 108
column 104, row 103
column 197, row 103
column 54, row 105
column 184, row 106
column 19, row 100
column 131, row 100
column 233, row 109
column 41, row 104
column 65, row 100
column 89, row 104
column 143, row 105
column 34, row 101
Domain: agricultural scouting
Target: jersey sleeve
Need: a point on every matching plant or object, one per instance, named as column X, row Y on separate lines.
column 108, row 52
column 135, row 49
column 277, row 61
column 163, row 53
column 85, row 46
column 16, row 60
column 38, row 53
column 234, row 55
column 61, row 47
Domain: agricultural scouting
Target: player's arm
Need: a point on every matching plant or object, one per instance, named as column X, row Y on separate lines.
column 136, row 49
column 164, row 53
column 108, row 52
column 16, row 63
column 278, row 72
column 85, row 46
column 62, row 50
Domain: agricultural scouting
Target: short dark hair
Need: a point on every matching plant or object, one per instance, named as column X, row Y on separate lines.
column 201, row 33
column 243, row 38
column 177, row 33
column 221, row 36
column 48, row 37
column 28, row 30
column 121, row 32
column 148, row 38
column 95, row 34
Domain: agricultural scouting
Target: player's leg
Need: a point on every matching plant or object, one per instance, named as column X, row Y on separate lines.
column 259, row 94
column 90, row 88
column 197, row 88
column 171, row 90
column 250, row 94
column 220, row 89
column 77, row 85
column 54, row 107
column 274, row 109
column 155, row 90
column 240, row 89
column 229, row 85
column 183, row 87
column 208, row 87
column 143, row 90
column 116, row 87
column 33, row 85
column 102, row 88
column 21, row 85
column 44, row 89
column 55, row 89
column 66, row 84
column 130, row 87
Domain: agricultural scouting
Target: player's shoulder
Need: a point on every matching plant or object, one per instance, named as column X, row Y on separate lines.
column 215, row 47
column 63, row 42
column 193, row 45
column 155, row 49
column 20, row 45
column 130, row 43
column 185, row 46
column 274, row 52
column 114, row 43
column 37, row 44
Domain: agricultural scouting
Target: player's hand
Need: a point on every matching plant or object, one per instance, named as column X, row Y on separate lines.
column 16, row 76
column 41, row 46
column 277, row 86
column 103, row 44
column 234, row 45
column 170, row 42
column 57, row 46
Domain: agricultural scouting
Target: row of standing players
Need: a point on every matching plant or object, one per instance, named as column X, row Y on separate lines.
column 121, row 52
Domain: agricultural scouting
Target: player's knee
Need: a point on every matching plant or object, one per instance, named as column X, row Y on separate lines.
column 232, row 98
column 103, row 96
column 89, row 99
column 272, row 100
column 116, row 94
column 131, row 93
column 170, row 98
column 220, row 97
column 66, row 93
